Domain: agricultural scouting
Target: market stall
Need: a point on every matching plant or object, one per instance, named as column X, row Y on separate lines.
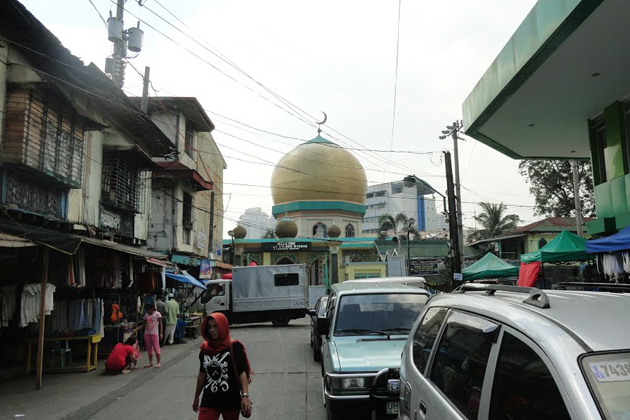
column 490, row 266
column 567, row 247
column 612, row 254
column 186, row 284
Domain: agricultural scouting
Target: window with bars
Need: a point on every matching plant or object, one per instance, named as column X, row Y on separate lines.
column 189, row 139
column 123, row 182
column 187, row 218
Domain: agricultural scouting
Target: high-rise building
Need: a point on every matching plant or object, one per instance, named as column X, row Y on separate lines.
column 393, row 198
column 257, row 222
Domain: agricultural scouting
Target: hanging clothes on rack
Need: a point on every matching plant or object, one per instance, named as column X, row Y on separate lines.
column 31, row 301
column 8, row 295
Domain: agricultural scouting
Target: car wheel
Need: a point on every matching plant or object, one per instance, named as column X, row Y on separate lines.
column 317, row 355
column 280, row 320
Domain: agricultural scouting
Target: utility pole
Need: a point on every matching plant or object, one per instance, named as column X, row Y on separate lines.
column 144, row 104
column 576, row 193
column 123, row 40
column 456, row 256
column 453, row 131
column 120, row 50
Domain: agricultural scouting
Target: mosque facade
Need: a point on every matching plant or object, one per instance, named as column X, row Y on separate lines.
column 318, row 191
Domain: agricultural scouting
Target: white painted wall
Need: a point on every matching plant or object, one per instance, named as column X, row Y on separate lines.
column 394, row 200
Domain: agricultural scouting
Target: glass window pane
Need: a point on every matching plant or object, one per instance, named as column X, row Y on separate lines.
column 523, row 386
column 378, row 314
column 460, row 363
column 425, row 336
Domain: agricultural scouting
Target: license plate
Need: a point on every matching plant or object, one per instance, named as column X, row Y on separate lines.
column 392, row 407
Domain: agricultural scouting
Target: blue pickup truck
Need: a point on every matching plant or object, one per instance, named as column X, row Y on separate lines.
column 366, row 326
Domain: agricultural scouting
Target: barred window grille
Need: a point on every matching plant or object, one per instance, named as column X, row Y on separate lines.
column 189, row 139
column 187, row 218
column 123, row 183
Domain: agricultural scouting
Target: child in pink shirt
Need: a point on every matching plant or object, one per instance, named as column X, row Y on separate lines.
column 153, row 332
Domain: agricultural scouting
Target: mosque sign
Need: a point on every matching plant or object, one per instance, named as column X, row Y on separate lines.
column 423, row 267
column 285, row 246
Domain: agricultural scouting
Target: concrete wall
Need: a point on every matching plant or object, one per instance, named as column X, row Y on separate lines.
column 161, row 234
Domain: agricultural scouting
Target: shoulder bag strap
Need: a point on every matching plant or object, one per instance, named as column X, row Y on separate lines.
column 238, row 380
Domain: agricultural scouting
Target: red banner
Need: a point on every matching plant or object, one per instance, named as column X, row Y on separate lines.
column 528, row 274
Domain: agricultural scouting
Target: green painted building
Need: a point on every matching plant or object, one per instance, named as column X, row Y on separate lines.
column 560, row 89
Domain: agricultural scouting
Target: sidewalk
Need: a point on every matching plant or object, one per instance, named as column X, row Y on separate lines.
column 79, row 395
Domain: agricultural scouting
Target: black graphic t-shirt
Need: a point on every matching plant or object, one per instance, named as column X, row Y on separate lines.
column 221, row 389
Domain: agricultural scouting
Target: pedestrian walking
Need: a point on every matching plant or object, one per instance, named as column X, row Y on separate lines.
column 153, row 332
column 163, row 310
column 171, row 319
column 121, row 357
column 224, row 373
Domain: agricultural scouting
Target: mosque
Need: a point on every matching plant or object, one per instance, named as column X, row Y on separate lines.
column 319, row 191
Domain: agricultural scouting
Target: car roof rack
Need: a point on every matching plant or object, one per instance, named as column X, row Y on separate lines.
column 536, row 296
column 608, row 287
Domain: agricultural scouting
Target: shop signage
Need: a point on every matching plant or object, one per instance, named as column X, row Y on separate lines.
column 285, row 246
column 423, row 268
column 205, row 269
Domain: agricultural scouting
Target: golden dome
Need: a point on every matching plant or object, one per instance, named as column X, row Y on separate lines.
column 318, row 170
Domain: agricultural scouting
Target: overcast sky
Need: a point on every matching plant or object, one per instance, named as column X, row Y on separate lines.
column 336, row 56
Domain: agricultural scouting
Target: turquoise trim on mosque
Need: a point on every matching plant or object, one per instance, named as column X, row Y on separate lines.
column 317, row 206
column 320, row 139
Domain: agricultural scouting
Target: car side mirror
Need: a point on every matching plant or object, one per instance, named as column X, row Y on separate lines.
column 323, row 325
column 312, row 312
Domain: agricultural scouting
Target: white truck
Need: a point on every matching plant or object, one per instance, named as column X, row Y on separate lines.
column 276, row 293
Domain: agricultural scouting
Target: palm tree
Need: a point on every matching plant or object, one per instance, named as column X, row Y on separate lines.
column 494, row 221
column 399, row 226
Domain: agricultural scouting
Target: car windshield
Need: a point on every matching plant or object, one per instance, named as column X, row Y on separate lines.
column 378, row 314
column 609, row 376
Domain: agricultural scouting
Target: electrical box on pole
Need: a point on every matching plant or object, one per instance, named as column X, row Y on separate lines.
column 123, row 40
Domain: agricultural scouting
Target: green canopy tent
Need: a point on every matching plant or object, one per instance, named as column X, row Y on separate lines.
column 490, row 266
column 565, row 247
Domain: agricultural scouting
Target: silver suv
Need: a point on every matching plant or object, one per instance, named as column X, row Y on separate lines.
column 506, row 352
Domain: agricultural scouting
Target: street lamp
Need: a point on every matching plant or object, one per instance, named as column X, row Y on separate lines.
column 232, row 250
column 412, row 180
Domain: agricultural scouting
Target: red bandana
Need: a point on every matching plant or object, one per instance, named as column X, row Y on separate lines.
column 212, row 347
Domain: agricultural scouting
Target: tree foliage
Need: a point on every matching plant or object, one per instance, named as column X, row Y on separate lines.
column 397, row 225
column 269, row 234
column 551, row 184
column 493, row 221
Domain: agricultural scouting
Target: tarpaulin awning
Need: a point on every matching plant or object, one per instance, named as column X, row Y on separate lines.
column 565, row 247
column 529, row 274
column 10, row 241
column 139, row 252
column 160, row 263
column 618, row 242
column 490, row 266
column 185, row 278
column 62, row 242
column 65, row 242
